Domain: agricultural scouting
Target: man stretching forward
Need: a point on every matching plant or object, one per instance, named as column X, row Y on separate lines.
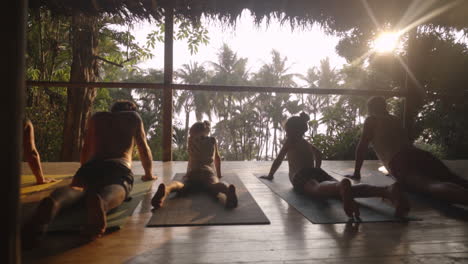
column 417, row 170
column 105, row 178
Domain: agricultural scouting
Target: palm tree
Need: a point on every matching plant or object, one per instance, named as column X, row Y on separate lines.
column 190, row 101
column 323, row 77
column 228, row 70
column 275, row 74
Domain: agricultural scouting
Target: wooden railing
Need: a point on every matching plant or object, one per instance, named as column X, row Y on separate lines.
column 221, row 88
column 168, row 97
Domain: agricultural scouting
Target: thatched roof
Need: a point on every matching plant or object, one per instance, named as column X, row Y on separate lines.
column 336, row 15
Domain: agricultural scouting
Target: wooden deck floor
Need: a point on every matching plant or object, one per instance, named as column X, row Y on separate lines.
column 289, row 239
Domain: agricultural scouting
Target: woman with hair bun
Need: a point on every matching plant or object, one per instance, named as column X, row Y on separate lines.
column 308, row 178
column 203, row 170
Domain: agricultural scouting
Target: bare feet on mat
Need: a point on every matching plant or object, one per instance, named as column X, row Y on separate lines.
column 159, row 196
column 349, row 205
column 399, row 200
column 231, row 197
column 96, row 218
column 35, row 228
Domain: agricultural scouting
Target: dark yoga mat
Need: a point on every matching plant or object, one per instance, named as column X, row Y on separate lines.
column 330, row 211
column 419, row 200
column 73, row 218
column 197, row 209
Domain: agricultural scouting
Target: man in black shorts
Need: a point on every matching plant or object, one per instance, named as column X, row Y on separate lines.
column 105, row 178
column 413, row 168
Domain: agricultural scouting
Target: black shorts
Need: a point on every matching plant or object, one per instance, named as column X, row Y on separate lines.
column 97, row 174
column 306, row 174
column 413, row 160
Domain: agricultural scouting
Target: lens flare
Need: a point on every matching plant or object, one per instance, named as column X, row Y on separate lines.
column 386, row 42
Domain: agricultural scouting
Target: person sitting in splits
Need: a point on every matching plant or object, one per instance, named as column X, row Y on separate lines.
column 203, row 170
column 308, row 178
column 104, row 179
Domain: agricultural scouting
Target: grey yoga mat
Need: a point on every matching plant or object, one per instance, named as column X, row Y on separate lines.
column 330, row 211
column 195, row 209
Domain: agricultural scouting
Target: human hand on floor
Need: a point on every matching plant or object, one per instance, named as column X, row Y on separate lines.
column 267, row 177
column 355, row 176
column 45, row 180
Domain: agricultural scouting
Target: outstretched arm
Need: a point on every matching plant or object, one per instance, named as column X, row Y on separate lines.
column 317, row 156
column 362, row 146
column 32, row 155
column 217, row 161
column 277, row 162
column 84, row 155
column 145, row 152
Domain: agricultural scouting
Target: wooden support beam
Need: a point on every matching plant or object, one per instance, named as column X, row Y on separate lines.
column 414, row 94
column 11, row 119
column 167, row 89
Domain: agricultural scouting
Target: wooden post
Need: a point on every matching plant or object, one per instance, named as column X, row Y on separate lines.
column 167, row 91
column 12, row 126
column 414, row 95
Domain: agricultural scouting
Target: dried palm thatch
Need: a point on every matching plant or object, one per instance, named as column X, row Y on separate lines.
column 334, row 15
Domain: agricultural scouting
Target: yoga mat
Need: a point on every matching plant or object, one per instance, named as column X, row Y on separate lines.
column 330, row 211
column 196, row 209
column 28, row 183
column 419, row 200
column 73, row 218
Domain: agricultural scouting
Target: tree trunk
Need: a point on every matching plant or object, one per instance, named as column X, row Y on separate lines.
column 273, row 149
column 187, row 120
column 84, row 68
column 267, row 128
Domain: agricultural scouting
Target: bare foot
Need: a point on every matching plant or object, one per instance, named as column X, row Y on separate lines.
column 36, row 227
column 97, row 220
column 399, row 200
column 149, row 178
column 159, row 196
column 349, row 205
column 231, row 197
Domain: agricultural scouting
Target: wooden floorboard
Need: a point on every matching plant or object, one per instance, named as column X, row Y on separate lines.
column 289, row 239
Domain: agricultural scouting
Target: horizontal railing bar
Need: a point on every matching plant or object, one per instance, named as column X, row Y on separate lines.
column 219, row 88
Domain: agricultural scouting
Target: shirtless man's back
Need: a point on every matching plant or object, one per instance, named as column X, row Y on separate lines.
column 105, row 178
column 415, row 169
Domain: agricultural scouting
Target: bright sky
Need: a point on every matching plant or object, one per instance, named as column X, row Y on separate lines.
column 304, row 48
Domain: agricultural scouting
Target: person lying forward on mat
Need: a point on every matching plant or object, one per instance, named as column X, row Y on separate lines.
column 308, row 178
column 203, row 170
column 415, row 169
column 31, row 155
column 105, row 178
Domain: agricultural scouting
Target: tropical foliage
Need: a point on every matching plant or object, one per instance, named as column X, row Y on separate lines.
column 248, row 125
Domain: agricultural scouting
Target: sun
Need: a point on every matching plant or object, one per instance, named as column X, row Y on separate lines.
column 386, row 42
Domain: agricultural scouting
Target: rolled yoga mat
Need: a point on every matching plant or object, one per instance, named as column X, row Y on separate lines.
column 330, row 211
column 73, row 218
column 197, row 209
